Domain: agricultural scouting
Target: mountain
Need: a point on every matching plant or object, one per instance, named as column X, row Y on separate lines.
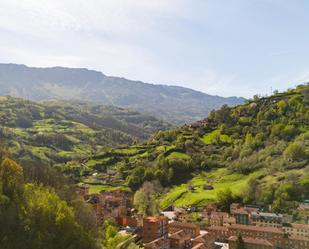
column 57, row 131
column 174, row 104
column 256, row 152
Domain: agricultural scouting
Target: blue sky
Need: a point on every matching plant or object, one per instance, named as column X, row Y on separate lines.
column 229, row 47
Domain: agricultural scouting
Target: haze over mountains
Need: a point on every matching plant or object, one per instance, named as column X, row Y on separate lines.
column 175, row 104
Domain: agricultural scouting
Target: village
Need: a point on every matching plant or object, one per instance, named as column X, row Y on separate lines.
column 174, row 228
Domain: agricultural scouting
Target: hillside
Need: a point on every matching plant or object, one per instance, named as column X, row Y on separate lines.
column 259, row 150
column 174, row 104
column 55, row 132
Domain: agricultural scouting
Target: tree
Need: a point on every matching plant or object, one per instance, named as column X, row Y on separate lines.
column 295, row 151
column 11, row 178
column 225, row 199
column 49, row 222
column 112, row 239
column 145, row 199
column 240, row 244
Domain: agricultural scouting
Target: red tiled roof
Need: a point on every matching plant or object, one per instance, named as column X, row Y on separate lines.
column 251, row 240
column 256, row 228
column 300, row 226
column 200, row 246
column 218, row 228
column 155, row 218
column 301, row 238
column 182, row 224
column 181, row 234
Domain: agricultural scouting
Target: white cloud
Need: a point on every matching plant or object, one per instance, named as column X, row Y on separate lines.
column 158, row 41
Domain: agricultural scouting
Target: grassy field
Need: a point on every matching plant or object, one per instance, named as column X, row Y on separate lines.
column 94, row 189
column 215, row 135
column 178, row 155
column 220, row 179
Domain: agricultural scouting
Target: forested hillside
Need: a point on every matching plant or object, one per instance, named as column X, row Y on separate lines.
column 256, row 152
column 176, row 105
column 39, row 208
column 56, row 132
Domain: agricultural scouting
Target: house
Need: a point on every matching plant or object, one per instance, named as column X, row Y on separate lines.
column 200, row 246
column 303, row 211
column 219, row 233
column 250, row 243
column 180, row 240
column 160, row 243
column 217, row 218
column 297, row 242
column 205, row 239
column 294, row 229
column 266, row 219
column 242, row 216
column 274, row 235
column 234, row 207
column 208, row 187
column 155, row 227
column 189, row 228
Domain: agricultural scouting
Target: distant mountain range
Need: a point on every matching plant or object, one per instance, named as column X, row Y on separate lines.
column 177, row 105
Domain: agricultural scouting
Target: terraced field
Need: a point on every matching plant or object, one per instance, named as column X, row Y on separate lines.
column 220, row 179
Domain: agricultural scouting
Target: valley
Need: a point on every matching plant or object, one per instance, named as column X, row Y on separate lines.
column 55, row 132
column 260, row 145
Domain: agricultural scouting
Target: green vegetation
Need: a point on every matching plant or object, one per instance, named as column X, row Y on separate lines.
column 40, row 209
column 112, row 239
column 219, row 179
column 33, row 215
column 216, row 137
column 57, row 132
column 259, row 147
column 145, row 199
column 176, row 105
column 95, row 189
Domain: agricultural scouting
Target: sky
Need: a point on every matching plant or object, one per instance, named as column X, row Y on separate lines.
column 220, row 47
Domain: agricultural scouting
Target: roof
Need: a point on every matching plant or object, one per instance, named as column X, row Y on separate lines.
column 250, row 240
column 303, row 206
column 235, row 204
column 241, row 211
column 183, row 224
column 299, row 226
column 169, row 214
column 203, row 238
column 219, row 214
column 218, row 228
column 156, row 244
column 200, row 246
column 181, row 234
column 155, row 218
column 301, row 238
column 256, row 228
column 266, row 215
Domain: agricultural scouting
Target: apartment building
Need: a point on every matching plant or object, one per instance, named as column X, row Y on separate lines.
column 155, row 227
column 189, row 228
column 296, row 229
column 180, row 240
column 250, row 243
column 266, row 219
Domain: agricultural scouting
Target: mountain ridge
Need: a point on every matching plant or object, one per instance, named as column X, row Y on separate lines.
column 174, row 104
